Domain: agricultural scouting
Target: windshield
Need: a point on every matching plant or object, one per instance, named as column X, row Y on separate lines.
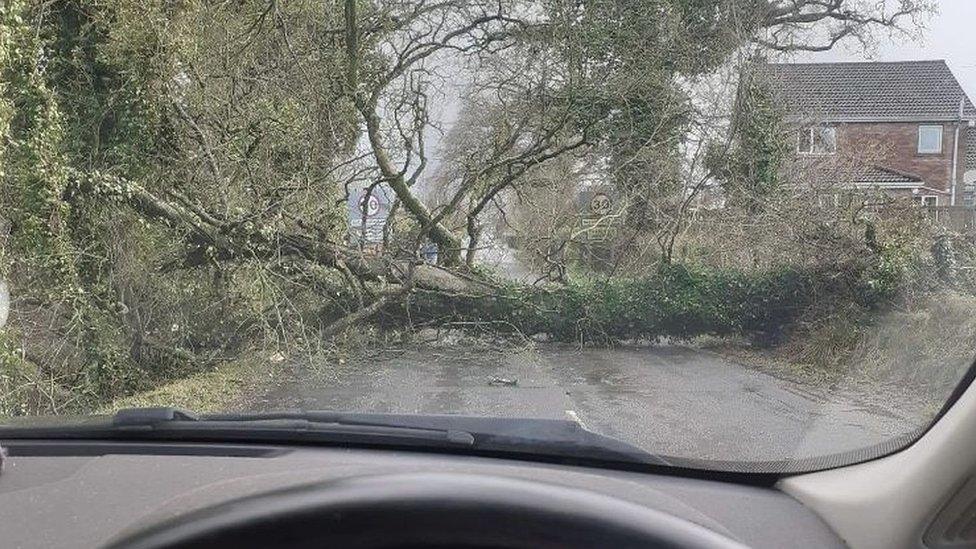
column 734, row 234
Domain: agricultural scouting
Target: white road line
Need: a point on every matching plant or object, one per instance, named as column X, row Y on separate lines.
column 575, row 417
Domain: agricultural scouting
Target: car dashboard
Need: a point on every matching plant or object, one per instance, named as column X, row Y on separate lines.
column 87, row 493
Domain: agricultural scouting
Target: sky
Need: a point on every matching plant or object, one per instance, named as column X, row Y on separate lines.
column 949, row 35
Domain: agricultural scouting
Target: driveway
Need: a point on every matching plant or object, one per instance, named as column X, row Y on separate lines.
column 671, row 400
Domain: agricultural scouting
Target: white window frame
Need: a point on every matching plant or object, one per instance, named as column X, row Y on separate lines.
column 937, row 127
column 811, row 135
column 829, row 200
column 922, row 199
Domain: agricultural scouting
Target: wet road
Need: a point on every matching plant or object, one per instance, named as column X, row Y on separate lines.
column 676, row 401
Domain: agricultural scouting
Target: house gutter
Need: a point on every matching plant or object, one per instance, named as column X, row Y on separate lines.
column 955, row 153
column 827, row 119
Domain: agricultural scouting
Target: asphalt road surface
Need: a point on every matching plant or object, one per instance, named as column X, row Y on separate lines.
column 671, row 400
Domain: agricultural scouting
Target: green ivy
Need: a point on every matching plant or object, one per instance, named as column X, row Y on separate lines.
column 35, row 184
column 750, row 170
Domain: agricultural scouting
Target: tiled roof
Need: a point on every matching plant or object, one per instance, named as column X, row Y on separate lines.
column 906, row 90
column 860, row 173
column 878, row 174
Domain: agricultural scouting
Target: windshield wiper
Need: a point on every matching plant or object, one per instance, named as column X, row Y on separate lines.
column 176, row 424
column 484, row 434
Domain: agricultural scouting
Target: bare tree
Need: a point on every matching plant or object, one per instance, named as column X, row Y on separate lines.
column 818, row 25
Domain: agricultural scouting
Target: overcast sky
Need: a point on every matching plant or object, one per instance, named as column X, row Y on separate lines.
column 949, row 35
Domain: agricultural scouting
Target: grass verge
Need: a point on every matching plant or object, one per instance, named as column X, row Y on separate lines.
column 923, row 350
column 226, row 388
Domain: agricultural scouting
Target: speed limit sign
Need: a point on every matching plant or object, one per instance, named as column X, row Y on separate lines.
column 600, row 204
column 370, row 205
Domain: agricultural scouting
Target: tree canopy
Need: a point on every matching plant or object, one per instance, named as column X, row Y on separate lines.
column 214, row 144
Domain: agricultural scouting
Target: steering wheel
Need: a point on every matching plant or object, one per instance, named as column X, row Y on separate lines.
column 428, row 510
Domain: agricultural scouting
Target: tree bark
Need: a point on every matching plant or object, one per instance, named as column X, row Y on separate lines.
column 212, row 240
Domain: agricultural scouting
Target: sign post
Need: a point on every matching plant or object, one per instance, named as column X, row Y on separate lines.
column 369, row 209
column 597, row 206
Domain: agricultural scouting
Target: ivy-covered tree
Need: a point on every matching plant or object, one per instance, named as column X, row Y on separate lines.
column 750, row 169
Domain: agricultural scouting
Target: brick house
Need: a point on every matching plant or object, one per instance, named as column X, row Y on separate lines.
column 906, row 128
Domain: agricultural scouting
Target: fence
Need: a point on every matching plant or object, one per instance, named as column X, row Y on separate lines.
column 955, row 218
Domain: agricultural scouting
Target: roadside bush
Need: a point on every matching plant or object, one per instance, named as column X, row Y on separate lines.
column 927, row 347
column 924, row 346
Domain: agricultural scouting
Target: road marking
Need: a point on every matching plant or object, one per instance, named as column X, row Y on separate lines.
column 575, row 417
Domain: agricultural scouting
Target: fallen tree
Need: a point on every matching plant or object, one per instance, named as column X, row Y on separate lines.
column 676, row 302
column 210, row 239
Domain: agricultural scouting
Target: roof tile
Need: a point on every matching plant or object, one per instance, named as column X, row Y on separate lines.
column 880, row 174
column 906, row 90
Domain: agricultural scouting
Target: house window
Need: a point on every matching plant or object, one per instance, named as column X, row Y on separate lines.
column 831, row 200
column 930, row 139
column 818, row 140
column 927, row 200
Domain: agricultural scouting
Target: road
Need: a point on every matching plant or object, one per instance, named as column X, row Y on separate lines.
column 671, row 400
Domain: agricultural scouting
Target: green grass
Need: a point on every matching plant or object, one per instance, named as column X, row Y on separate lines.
column 226, row 388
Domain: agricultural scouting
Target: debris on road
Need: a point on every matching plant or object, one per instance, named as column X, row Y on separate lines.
column 496, row 381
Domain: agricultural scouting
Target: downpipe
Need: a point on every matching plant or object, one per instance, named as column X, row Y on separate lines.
column 4, row 302
column 955, row 153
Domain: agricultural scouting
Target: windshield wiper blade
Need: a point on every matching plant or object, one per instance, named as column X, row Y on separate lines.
column 139, row 417
column 176, row 424
column 489, row 435
column 524, row 436
column 314, row 423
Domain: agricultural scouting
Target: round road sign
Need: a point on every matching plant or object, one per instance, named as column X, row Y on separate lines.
column 369, row 206
column 600, row 204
